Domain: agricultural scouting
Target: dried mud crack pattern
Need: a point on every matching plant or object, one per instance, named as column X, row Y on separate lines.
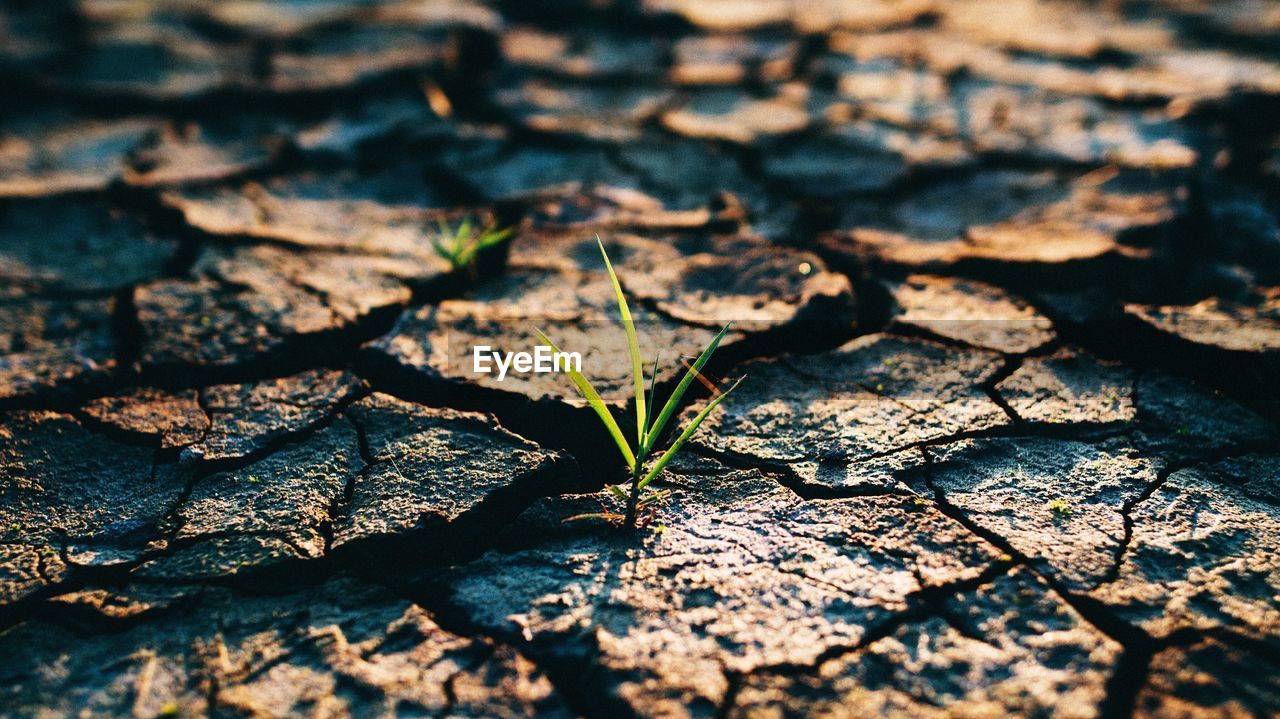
column 1005, row 286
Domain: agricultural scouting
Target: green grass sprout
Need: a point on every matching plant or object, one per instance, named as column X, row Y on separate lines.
column 649, row 426
column 462, row 245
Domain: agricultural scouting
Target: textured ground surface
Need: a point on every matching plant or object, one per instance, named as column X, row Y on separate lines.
column 1006, row 283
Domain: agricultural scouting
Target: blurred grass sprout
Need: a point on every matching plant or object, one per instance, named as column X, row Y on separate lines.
column 461, row 246
column 649, row 426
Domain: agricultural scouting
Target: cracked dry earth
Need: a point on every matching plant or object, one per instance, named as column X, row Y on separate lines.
column 1005, row 279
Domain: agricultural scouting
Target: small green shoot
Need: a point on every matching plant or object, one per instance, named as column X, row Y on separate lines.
column 649, row 425
column 462, row 245
column 1060, row 507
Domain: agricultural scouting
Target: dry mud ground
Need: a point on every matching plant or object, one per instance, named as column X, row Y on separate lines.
column 1006, row 278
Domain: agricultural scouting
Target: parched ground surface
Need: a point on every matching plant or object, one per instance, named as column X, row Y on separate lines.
column 1005, row 278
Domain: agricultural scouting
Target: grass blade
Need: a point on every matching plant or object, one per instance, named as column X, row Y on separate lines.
column 653, row 389
column 654, row 498
column 684, row 436
column 437, row 240
column 711, row 387
column 463, row 245
column 674, row 401
column 609, row 517
column 633, row 345
column 617, row 492
column 593, row 398
column 465, row 256
column 464, row 232
column 495, row 237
